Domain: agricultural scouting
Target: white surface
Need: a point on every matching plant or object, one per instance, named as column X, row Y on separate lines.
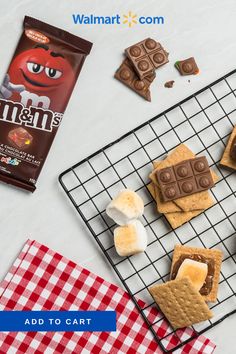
column 101, row 109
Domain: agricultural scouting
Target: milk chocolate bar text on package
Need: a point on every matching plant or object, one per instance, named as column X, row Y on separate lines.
column 33, row 97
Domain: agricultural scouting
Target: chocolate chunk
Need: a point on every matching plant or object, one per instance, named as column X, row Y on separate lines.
column 169, row 84
column 128, row 76
column 233, row 149
column 20, row 138
column 207, row 286
column 185, row 178
column 146, row 56
column 187, row 66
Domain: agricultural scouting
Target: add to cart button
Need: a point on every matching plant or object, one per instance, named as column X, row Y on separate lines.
column 53, row 321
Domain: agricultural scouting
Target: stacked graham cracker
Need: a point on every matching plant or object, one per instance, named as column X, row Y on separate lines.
column 183, row 209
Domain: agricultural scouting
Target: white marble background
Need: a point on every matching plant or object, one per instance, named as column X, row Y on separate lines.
column 101, row 110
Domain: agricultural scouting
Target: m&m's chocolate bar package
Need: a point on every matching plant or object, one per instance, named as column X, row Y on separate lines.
column 33, row 97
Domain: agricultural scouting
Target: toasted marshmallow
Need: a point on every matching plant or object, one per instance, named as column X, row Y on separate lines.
column 195, row 271
column 130, row 239
column 125, row 207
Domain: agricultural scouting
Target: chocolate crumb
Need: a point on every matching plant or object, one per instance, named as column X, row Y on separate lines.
column 169, row 84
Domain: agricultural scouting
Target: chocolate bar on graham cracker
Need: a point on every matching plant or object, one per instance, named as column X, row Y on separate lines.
column 181, row 304
column 198, row 201
column 227, row 159
column 181, row 210
column 211, row 257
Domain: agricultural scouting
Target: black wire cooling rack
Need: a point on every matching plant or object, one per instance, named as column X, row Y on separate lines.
column 203, row 122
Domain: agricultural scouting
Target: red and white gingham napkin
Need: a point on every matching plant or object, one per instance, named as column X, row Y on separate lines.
column 41, row 279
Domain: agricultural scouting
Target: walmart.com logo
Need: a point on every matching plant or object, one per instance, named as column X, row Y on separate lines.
column 129, row 19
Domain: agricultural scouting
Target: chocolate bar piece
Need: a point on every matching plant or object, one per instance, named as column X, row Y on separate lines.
column 146, row 56
column 128, row 77
column 233, row 149
column 187, row 66
column 185, row 178
column 20, row 138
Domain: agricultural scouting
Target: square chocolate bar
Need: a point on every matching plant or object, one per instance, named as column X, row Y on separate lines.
column 146, row 56
column 185, row 178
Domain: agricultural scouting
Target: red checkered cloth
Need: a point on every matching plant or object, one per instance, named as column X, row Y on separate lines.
column 41, row 279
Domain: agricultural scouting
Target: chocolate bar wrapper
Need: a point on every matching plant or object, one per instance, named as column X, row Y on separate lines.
column 33, row 97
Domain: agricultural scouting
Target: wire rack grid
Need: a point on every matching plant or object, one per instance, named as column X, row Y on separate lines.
column 203, row 122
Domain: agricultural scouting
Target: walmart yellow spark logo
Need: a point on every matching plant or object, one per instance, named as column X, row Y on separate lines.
column 130, row 19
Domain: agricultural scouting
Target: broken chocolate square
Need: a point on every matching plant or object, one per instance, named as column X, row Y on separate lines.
column 187, row 66
column 20, row 138
column 128, row 77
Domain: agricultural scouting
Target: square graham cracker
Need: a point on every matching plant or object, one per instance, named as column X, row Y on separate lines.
column 226, row 159
column 197, row 201
column 215, row 254
column 182, row 305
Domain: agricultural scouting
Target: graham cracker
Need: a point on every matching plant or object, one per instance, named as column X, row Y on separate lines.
column 226, row 159
column 182, row 305
column 151, row 189
column 197, row 201
column 208, row 253
column 179, row 218
column 180, row 153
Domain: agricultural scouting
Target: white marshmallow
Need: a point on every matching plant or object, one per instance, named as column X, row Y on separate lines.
column 125, row 207
column 130, row 239
column 195, row 271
